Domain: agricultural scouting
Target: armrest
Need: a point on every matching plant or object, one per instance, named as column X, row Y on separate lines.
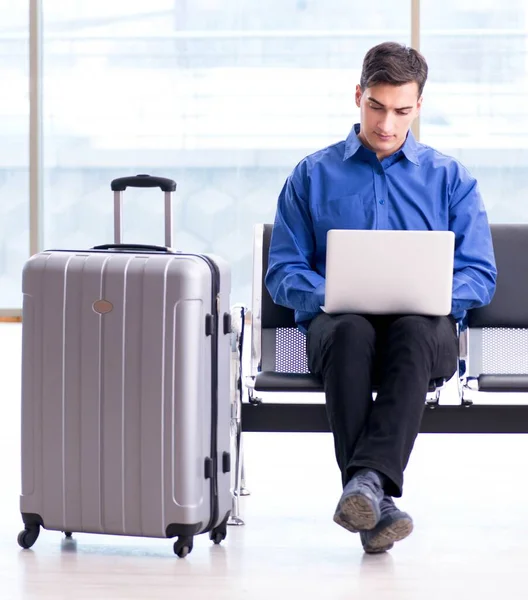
column 462, row 344
column 256, row 301
column 238, row 315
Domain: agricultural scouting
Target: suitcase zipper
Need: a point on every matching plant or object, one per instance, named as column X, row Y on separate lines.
column 215, row 307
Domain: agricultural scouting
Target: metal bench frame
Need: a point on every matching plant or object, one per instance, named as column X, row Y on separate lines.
column 508, row 313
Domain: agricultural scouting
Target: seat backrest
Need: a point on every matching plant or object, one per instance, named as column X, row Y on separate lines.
column 272, row 315
column 282, row 344
column 498, row 333
column 509, row 306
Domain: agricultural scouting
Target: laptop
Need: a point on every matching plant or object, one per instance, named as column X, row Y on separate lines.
column 389, row 272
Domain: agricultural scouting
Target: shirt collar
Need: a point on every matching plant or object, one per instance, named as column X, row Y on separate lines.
column 353, row 144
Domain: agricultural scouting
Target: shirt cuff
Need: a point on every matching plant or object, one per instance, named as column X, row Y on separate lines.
column 320, row 295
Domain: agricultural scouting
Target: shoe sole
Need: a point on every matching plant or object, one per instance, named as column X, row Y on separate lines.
column 357, row 513
column 385, row 539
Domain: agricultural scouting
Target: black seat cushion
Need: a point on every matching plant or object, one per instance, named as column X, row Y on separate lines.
column 270, row 381
column 503, row 383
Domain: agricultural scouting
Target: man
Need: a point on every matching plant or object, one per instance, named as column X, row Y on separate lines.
column 378, row 178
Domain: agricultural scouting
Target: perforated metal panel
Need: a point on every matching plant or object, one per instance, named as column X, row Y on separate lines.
column 290, row 348
column 504, row 351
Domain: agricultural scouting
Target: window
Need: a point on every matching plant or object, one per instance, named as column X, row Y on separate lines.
column 14, row 179
column 476, row 100
column 225, row 97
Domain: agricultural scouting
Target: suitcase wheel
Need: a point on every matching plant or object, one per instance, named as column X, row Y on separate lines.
column 218, row 534
column 68, row 534
column 28, row 537
column 217, row 537
column 183, row 546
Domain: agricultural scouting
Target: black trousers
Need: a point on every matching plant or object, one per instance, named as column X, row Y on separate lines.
column 401, row 354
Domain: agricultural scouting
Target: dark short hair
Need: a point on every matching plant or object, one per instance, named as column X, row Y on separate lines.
column 395, row 64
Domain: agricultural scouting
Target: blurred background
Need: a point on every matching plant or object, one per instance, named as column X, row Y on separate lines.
column 226, row 96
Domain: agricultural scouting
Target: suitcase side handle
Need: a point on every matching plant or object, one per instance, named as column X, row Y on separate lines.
column 143, row 181
column 138, row 247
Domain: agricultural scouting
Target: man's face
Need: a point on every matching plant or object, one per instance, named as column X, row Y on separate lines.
column 387, row 112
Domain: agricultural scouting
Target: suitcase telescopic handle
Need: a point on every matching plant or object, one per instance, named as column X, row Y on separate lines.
column 142, row 181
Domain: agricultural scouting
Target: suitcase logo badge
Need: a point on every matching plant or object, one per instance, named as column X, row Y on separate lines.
column 102, row 307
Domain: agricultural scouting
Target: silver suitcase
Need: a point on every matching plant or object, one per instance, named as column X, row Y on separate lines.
column 126, row 389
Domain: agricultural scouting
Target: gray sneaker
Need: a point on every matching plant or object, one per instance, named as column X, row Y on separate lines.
column 393, row 526
column 359, row 506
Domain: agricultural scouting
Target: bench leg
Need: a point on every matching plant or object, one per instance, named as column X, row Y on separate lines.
column 237, row 335
column 243, row 489
column 234, row 518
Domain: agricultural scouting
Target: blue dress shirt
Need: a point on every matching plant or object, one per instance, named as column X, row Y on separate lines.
column 345, row 186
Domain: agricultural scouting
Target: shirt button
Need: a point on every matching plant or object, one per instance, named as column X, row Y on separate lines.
column 382, row 201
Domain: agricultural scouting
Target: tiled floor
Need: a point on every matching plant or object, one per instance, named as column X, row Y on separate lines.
column 467, row 495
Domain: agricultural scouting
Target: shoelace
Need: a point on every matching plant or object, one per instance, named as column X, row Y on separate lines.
column 387, row 501
column 369, row 482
